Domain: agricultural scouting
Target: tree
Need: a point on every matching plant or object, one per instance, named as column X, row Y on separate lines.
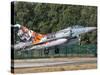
column 47, row 18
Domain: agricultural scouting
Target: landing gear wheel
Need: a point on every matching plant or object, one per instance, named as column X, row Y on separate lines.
column 46, row 51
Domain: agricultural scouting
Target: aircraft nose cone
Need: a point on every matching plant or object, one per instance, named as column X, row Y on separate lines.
column 79, row 31
column 89, row 29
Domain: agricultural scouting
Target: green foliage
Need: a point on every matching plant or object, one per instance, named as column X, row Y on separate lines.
column 46, row 18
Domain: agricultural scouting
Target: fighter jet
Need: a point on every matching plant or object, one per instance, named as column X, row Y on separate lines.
column 30, row 40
